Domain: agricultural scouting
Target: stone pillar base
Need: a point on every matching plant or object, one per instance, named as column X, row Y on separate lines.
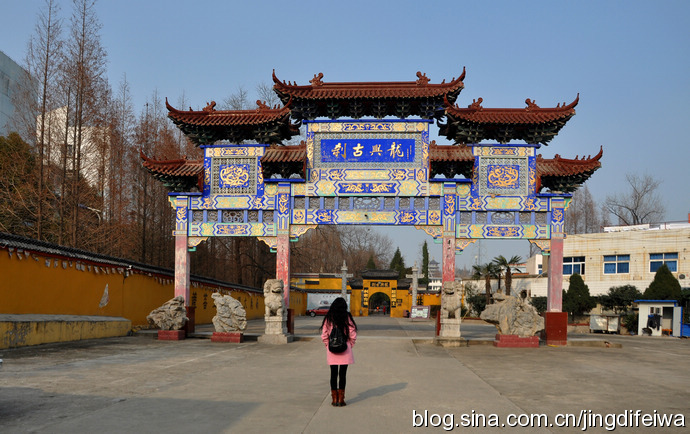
column 450, row 328
column 274, row 339
column 556, row 328
column 233, row 337
column 276, row 331
column 450, row 342
column 171, row 335
column 515, row 341
column 276, row 325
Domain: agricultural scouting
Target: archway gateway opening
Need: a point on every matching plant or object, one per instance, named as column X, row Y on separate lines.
column 380, row 304
column 367, row 159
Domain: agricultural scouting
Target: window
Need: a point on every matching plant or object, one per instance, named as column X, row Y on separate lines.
column 656, row 260
column 616, row 264
column 574, row 265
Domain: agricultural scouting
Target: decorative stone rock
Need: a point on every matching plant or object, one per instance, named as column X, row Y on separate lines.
column 451, row 300
column 230, row 314
column 172, row 315
column 513, row 316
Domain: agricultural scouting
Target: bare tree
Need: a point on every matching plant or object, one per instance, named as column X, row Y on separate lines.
column 35, row 98
column 267, row 95
column 641, row 204
column 582, row 216
column 237, row 101
column 84, row 69
column 360, row 243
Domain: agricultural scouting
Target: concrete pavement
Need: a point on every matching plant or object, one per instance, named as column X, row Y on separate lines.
column 138, row 384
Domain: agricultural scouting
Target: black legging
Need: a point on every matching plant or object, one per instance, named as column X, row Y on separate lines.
column 338, row 376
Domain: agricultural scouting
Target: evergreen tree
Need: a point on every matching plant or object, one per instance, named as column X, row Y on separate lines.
column 398, row 264
column 577, row 301
column 620, row 298
column 486, row 272
column 371, row 265
column 664, row 286
column 507, row 265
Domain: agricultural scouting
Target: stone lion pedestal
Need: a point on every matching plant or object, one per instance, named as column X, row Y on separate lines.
column 451, row 318
column 449, row 334
column 276, row 331
column 276, row 315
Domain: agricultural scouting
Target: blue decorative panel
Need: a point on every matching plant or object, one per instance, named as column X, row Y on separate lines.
column 367, row 188
column 503, row 176
column 233, row 175
column 368, row 150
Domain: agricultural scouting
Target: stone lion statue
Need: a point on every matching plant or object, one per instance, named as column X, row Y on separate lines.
column 513, row 316
column 451, row 300
column 172, row 315
column 273, row 297
column 230, row 314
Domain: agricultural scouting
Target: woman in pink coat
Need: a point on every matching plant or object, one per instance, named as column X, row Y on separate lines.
column 339, row 316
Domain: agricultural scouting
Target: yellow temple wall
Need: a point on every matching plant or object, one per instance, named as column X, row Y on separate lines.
column 34, row 283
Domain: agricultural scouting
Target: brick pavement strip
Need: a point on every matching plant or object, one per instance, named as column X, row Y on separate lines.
column 138, row 384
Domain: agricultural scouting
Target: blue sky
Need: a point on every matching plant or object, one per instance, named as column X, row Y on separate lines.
column 628, row 60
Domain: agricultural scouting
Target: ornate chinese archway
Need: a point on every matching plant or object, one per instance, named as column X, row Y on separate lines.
column 380, row 171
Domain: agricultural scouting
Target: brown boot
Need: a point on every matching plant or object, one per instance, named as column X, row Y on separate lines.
column 334, row 396
column 341, row 398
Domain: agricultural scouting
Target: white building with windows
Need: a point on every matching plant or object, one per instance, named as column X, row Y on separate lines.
column 60, row 139
column 435, row 277
column 621, row 255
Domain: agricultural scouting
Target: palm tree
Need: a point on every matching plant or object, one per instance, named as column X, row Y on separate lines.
column 508, row 264
column 486, row 272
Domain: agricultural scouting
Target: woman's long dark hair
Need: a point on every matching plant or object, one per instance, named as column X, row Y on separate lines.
column 339, row 316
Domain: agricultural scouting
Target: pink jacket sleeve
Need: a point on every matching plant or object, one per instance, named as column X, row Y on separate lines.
column 353, row 335
column 325, row 332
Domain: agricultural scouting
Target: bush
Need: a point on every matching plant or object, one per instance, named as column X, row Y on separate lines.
column 539, row 303
column 477, row 302
column 577, row 300
column 631, row 321
column 620, row 298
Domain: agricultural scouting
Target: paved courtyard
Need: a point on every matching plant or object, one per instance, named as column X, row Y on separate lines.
column 139, row 384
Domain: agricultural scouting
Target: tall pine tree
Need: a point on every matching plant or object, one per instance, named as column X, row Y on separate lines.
column 664, row 286
column 398, row 264
column 577, row 301
column 425, row 265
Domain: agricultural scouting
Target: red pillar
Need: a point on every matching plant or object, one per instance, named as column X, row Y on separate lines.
column 181, row 267
column 449, row 259
column 555, row 321
column 283, row 265
column 554, row 296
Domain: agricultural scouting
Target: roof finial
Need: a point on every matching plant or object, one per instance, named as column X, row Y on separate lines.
column 531, row 104
column 476, row 104
column 422, row 79
column 316, row 81
column 262, row 105
column 211, row 107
